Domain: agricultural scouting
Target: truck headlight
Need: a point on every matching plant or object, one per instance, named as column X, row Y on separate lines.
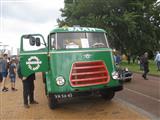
column 115, row 75
column 60, row 81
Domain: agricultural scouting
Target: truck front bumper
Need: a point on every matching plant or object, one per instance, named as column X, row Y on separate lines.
column 85, row 93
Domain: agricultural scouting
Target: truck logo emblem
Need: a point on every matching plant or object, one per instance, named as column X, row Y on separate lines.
column 87, row 56
column 33, row 63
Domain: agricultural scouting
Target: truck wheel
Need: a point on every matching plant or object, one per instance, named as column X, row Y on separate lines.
column 52, row 101
column 107, row 94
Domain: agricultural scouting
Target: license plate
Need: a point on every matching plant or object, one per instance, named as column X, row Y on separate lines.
column 67, row 95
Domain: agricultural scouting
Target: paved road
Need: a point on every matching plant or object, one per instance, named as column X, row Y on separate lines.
column 11, row 107
column 145, row 94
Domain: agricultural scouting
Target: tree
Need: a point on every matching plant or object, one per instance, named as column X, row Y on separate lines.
column 132, row 26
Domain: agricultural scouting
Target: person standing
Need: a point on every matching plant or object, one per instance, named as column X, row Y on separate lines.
column 28, row 88
column 4, row 72
column 12, row 74
column 1, row 78
column 157, row 59
column 145, row 63
column 141, row 63
column 118, row 59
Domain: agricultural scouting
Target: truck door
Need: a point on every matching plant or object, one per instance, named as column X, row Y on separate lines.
column 33, row 54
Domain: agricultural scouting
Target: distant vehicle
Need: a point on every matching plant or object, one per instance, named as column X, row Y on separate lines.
column 75, row 61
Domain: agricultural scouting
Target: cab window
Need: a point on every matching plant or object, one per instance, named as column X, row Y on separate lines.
column 78, row 40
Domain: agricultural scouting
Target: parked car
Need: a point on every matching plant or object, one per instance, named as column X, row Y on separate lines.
column 124, row 74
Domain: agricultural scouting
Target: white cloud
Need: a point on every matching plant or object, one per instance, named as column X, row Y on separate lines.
column 27, row 16
column 31, row 11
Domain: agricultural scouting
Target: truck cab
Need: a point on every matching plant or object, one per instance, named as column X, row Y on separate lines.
column 75, row 61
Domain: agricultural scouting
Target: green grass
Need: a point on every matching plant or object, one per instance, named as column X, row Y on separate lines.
column 135, row 67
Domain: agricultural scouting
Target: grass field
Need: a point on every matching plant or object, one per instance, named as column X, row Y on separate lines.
column 135, row 67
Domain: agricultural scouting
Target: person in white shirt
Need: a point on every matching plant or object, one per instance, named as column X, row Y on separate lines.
column 157, row 59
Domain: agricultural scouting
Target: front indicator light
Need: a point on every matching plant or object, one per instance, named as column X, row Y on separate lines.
column 60, row 81
column 115, row 75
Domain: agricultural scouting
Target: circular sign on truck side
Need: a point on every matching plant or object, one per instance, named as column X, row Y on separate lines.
column 33, row 63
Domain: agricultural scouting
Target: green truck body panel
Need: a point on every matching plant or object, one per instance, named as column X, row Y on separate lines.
column 34, row 61
column 68, row 57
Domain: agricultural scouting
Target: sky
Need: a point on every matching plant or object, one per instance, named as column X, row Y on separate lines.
column 18, row 17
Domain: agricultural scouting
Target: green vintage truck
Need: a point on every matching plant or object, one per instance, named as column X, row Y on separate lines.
column 75, row 61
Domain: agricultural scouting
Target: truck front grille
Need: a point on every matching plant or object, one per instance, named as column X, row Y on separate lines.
column 89, row 73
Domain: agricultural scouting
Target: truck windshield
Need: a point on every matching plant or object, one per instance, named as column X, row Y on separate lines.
column 78, row 40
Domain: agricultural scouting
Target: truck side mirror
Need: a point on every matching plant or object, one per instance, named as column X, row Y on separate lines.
column 32, row 41
column 38, row 42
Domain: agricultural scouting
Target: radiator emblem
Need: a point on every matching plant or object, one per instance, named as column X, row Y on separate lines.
column 87, row 56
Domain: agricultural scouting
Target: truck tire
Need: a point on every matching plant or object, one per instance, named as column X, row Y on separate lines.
column 52, row 101
column 107, row 94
